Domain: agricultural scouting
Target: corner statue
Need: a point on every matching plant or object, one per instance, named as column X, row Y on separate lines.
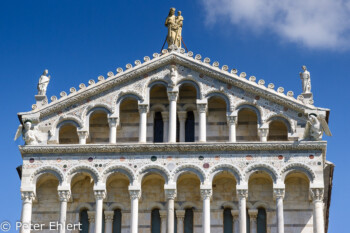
column 43, row 83
column 306, row 82
column 174, row 25
column 28, row 134
column 315, row 128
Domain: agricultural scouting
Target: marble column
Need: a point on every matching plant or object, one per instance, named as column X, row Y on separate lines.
column 64, row 196
column 182, row 120
column 172, row 116
column 163, row 221
column 143, row 110
column 99, row 196
column 134, row 218
column 180, row 215
column 206, row 196
column 242, row 202
column 235, row 216
column 170, row 195
column 82, row 134
column 202, row 111
column 26, row 218
column 165, row 117
column 263, row 132
column 317, row 199
column 279, row 195
column 112, row 121
column 231, row 121
column 109, row 221
column 91, row 216
column 253, row 214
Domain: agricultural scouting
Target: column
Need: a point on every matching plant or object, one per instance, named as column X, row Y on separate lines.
column 180, row 215
column 206, row 195
column 64, row 196
column 134, row 196
column 182, row 120
column 165, row 117
column 242, row 199
column 143, row 109
column 317, row 199
column 231, row 121
column 26, row 218
column 112, row 121
column 109, row 221
column 202, row 111
column 235, row 215
column 170, row 195
column 99, row 196
column 263, row 132
column 279, row 195
column 253, row 214
column 91, row 216
column 172, row 95
column 163, row 221
column 82, row 134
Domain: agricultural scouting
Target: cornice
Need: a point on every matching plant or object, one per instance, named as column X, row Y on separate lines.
column 165, row 59
column 173, row 147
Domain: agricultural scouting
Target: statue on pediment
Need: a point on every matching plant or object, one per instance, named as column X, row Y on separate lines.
column 315, row 127
column 174, row 25
column 43, row 83
column 306, row 81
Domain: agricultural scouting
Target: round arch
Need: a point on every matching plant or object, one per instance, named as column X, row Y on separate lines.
column 298, row 167
column 47, row 170
column 261, row 167
column 216, row 170
column 279, row 117
column 153, row 168
column 192, row 83
column 83, row 169
column 118, row 169
column 252, row 107
column 189, row 168
column 215, row 93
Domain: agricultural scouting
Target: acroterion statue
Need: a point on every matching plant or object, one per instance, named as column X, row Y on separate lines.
column 43, row 83
column 306, row 82
column 174, row 25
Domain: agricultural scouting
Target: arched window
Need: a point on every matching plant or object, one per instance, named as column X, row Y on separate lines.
column 247, row 126
column 188, row 221
column 84, row 220
column 117, row 221
column 158, row 127
column 155, row 221
column 68, row 134
column 278, row 131
column 189, row 127
column 228, row 221
column 98, row 128
column 261, row 220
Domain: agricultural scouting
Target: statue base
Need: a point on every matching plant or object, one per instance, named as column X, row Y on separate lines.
column 308, row 98
column 41, row 100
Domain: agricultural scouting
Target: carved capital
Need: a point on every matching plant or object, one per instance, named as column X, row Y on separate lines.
column 235, row 215
column 135, row 194
column 317, row 194
column 170, row 194
column 182, row 115
column 180, row 214
column 100, row 194
column 143, row 108
column 253, row 214
column 172, row 95
column 165, row 116
column 109, row 216
column 263, row 132
column 242, row 193
column 112, row 121
column 91, row 216
column 206, row 193
column 163, row 214
column 202, row 107
column 83, row 134
column 278, row 193
column 64, row 195
column 231, row 120
column 27, row 197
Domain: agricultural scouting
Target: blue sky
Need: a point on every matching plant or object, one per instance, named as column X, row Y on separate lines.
column 80, row 40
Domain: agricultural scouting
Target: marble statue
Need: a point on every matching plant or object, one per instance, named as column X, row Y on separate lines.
column 174, row 25
column 315, row 128
column 29, row 135
column 306, row 81
column 43, row 83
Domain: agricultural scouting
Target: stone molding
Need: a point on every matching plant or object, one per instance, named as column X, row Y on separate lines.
column 178, row 147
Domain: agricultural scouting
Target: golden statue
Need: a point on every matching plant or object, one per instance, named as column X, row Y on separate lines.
column 174, row 25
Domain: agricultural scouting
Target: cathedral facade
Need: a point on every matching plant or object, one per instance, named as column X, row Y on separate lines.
column 175, row 144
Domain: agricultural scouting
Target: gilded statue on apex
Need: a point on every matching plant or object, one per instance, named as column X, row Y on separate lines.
column 174, row 25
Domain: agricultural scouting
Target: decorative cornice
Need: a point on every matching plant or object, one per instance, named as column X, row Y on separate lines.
column 164, row 60
column 175, row 147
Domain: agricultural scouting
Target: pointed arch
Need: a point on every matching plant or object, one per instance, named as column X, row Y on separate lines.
column 192, row 168
column 255, row 167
